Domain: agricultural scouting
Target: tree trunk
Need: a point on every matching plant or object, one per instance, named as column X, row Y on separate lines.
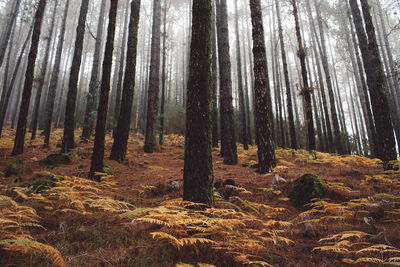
column 266, row 152
column 228, row 145
column 98, row 148
column 376, row 83
column 92, row 96
column 68, row 138
column 118, row 151
column 198, row 174
column 214, row 77
column 26, row 95
column 154, row 80
column 293, row 140
column 42, row 74
column 306, row 89
column 5, row 38
column 242, row 106
column 163, row 79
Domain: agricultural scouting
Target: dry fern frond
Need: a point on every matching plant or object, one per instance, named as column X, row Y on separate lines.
column 170, row 238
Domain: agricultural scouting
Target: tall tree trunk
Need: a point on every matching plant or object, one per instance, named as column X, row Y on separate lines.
column 42, row 74
column 163, row 79
column 26, row 95
column 266, row 152
column 242, row 106
column 228, row 145
column 214, row 78
column 376, row 83
column 198, row 173
column 121, row 63
column 98, row 148
column 154, row 80
column 306, row 89
column 92, row 96
column 5, row 38
column 293, row 140
column 325, row 65
column 68, row 138
column 118, row 151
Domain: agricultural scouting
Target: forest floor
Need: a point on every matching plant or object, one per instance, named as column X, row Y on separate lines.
column 52, row 215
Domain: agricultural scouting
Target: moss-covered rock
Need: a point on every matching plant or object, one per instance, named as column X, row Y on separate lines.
column 13, row 169
column 43, row 181
column 56, row 160
column 304, row 189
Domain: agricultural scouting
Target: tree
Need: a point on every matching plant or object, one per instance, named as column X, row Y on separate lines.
column 228, row 140
column 214, row 78
column 43, row 73
column 5, row 38
column 242, row 106
column 98, row 148
column 68, row 137
column 118, row 151
column 26, row 95
column 198, row 174
column 306, row 91
column 154, row 79
column 266, row 151
column 88, row 123
column 293, row 140
column 163, row 79
column 376, row 81
column 51, row 95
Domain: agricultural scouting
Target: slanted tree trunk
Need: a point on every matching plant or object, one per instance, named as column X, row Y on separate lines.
column 118, row 151
column 198, row 173
column 68, row 138
column 94, row 83
column 306, row 89
column 5, row 38
column 242, row 105
column 228, row 140
column 376, row 82
column 154, row 80
column 6, row 70
column 293, row 140
column 266, row 152
column 42, row 74
column 12, row 82
column 26, row 95
column 98, row 148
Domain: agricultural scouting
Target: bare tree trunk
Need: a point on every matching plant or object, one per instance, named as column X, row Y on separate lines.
column 163, row 79
column 198, row 174
column 98, row 148
column 26, row 95
column 214, row 77
column 266, row 152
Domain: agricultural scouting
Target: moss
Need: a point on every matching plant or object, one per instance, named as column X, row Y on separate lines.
column 56, row 160
column 245, row 164
column 306, row 188
column 13, row 169
column 43, row 181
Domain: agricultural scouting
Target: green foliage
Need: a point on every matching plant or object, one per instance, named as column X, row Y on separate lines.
column 306, row 188
column 44, row 181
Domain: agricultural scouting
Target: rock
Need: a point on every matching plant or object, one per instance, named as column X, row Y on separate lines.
column 229, row 182
column 175, row 185
column 304, row 189
column 13, row 169
column 56, row 160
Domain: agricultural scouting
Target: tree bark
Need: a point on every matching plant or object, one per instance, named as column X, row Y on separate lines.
column 228, row 140
column 198, row 174
column 266, row 152
column 154, row 80
column 163, row 79
column 118, row 151
column 214, row 78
